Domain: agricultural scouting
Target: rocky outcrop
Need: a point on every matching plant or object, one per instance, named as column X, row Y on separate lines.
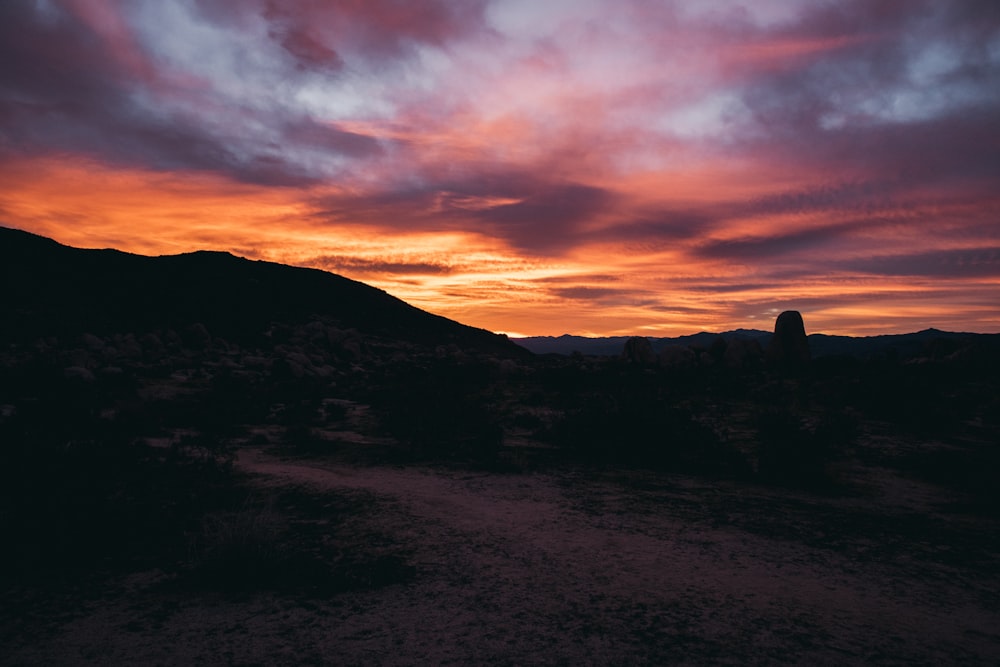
column 789, row 345
column 638, row 350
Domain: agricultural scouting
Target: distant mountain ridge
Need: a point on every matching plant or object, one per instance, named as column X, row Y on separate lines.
column 50, row 289
column 821, row 345
column 612, row 345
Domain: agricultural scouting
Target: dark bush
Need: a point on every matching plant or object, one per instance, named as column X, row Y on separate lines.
column 441, row 412
column 646, row 433
column 242, row 549
column 794, row 453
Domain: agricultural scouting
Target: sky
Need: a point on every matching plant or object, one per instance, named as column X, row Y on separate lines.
column 593, row 167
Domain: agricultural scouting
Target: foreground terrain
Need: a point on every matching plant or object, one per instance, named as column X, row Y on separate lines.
column 571, row 566
column 338, row 478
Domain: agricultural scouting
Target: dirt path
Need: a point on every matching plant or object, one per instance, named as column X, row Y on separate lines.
column 550, row 568
column 567, row 568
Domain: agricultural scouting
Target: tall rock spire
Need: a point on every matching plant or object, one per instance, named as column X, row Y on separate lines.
column 789, row 346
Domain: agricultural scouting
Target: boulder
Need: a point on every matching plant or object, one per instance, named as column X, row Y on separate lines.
column 789, row 345
column 638, row 350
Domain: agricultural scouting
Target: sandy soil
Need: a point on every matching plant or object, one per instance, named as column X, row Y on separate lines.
column 576, row 567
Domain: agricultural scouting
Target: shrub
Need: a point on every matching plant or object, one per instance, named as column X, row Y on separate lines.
column 240, row 550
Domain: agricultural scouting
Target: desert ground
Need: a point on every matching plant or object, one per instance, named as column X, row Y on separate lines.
column 573, row 565
column 306, row 492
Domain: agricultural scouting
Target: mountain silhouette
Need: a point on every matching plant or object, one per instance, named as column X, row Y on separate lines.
column 612, row 345
column 50, row 289
column 901, row 346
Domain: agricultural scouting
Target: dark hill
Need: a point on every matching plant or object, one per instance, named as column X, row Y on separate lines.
column 51, row 289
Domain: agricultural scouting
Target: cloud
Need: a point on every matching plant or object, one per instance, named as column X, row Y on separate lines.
column 766, row 248
column 532, row 214
column 892, row 99
column 958, row 263
column 69, row 83
column 864, row 196
column 547, row 218
column 598, row 294
column 358, row 265
column 665, row 225
column 308, row 51
column 377, row 29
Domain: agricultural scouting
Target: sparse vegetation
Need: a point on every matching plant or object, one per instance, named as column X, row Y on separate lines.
column 242, row 549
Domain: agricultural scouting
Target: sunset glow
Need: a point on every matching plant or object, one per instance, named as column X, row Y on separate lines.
column 593, row 167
